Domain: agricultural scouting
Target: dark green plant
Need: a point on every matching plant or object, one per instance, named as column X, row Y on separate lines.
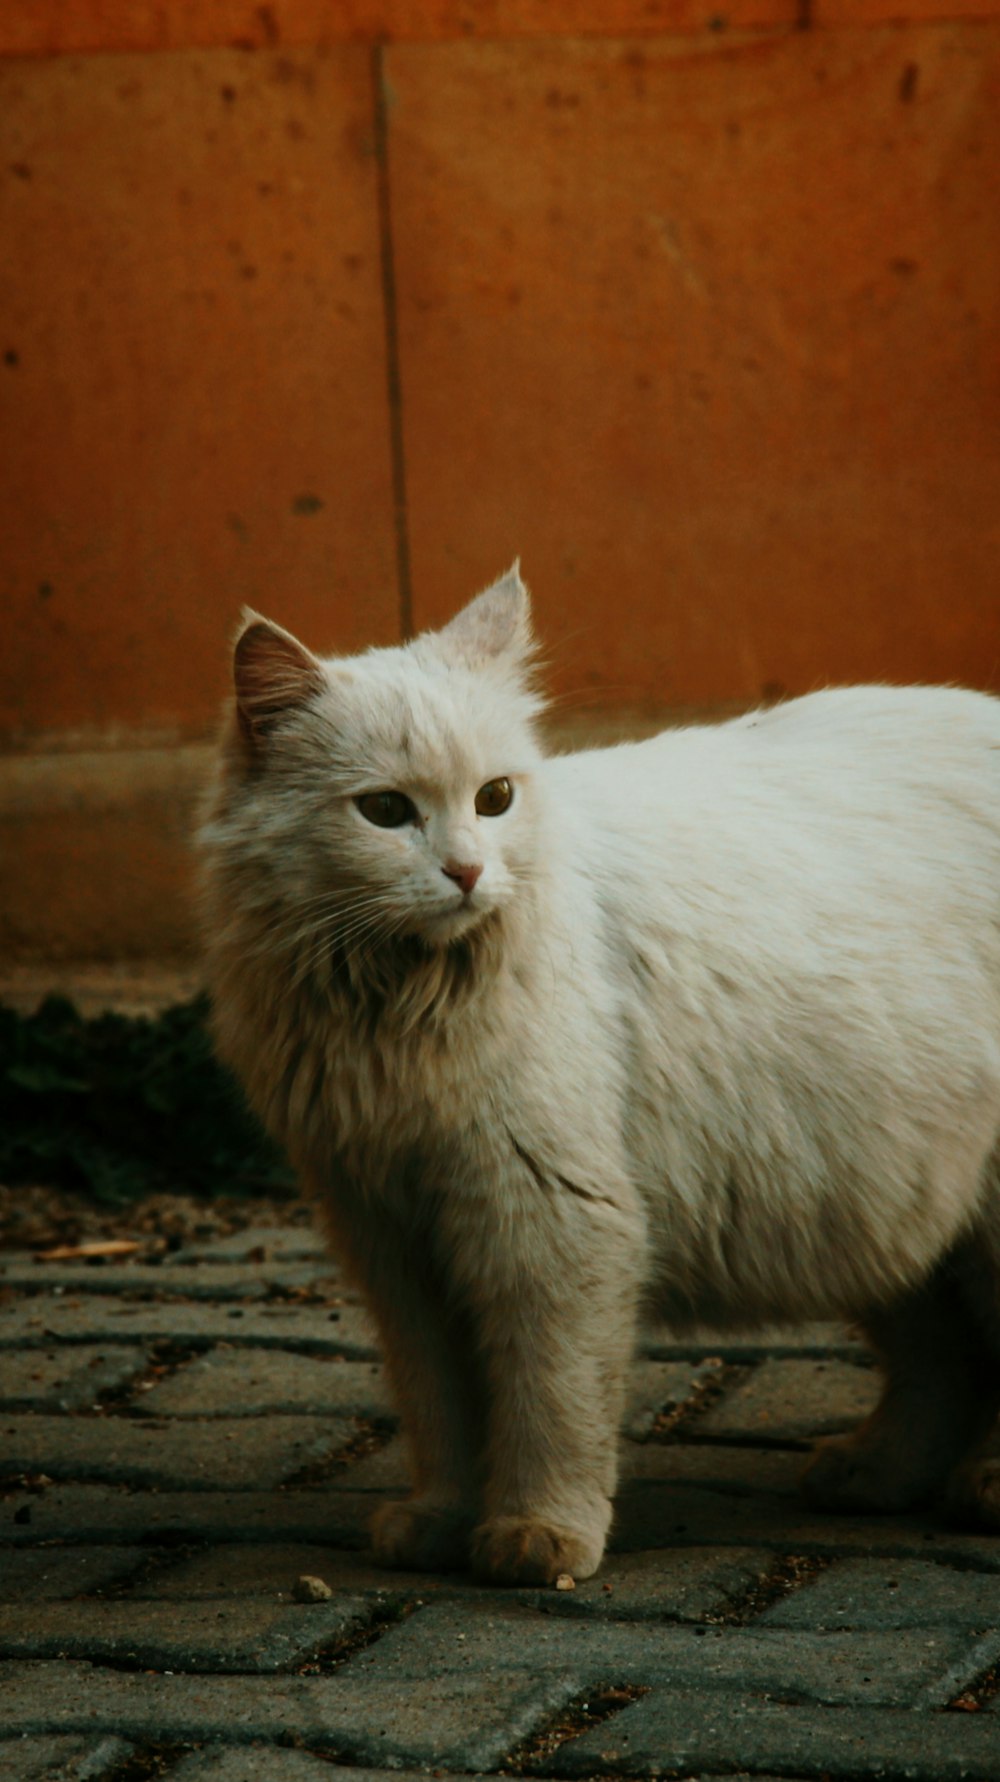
column 119, row 1105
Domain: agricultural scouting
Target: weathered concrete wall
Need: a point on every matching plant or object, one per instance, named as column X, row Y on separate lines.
column 333, row 309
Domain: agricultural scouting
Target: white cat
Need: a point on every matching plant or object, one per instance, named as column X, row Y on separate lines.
column 710, row 1022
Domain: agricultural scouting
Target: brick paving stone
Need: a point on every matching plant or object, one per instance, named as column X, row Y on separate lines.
column 53, row 1574
column 697, row 1733
column 195, row 1639
column 64, row 1759
column 895, row 1669
column 657, row 1387
column 726, row 1468
column 204, row 1280
column 687, row 1584
column 651, row 1514
column 792, row 1401
column 271, row 1569
column 107, row 1513
column 338, row 1326
column 204, row 1636
column 385, row 1469
column 279, row 1243
column 252, row 1452
column 684, row 1585
column 891, row 1593
column 271, row 1764
column 66, row 1379
column 456, row 1721
column 247, row 1383
column 795, row 1341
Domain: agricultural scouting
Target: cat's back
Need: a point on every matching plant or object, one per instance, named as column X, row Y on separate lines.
column 890, row 733
column 865, row 775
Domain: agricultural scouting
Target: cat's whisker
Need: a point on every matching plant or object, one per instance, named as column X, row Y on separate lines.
column 312, row 948
column 342, row 935
column 374, row 925
column 335, row 928
column 301, row 920
column 322, row 902
column 388, row 920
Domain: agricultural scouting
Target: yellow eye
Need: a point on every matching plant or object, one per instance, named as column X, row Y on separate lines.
column 493, row 798
column 387, row 810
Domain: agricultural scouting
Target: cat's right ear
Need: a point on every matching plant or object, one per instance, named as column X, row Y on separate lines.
column 496, row 624
column 273, row 675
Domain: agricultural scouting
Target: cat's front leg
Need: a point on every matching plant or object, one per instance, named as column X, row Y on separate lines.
column 427, row 1356
column 429, row 1362
column 557, row 1329
column 429, row 1359
column 552, row 1451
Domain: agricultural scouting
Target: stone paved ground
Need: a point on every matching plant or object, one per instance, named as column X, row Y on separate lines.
column 182, row 1440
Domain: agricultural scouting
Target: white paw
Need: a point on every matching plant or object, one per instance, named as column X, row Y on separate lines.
column 527, row 1550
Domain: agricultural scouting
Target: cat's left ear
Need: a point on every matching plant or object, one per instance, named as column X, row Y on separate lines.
column 495, row 625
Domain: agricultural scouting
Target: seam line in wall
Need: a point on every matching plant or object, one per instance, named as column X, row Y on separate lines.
column 394, row 387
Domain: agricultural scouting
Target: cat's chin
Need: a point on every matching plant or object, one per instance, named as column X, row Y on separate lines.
column 453, row 924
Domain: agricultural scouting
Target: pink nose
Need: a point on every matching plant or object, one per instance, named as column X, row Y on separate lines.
column 465, row 877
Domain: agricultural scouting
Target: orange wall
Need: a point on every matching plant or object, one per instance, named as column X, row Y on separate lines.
column 706, row 326
column 333, row 309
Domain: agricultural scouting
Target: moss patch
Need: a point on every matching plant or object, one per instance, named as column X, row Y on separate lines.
column 119, row 1105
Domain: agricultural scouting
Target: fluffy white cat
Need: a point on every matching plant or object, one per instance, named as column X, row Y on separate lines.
column 709, row 1023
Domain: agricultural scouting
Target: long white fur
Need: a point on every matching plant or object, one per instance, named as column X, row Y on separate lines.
column 718, row 1030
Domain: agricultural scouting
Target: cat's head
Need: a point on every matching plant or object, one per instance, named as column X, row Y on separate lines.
column 387, row 794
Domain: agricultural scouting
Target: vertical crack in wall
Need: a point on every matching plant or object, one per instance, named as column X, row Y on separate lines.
column 394, row 390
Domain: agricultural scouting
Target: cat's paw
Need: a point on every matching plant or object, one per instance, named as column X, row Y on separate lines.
column 421, row 1536
column 525, row 1550
column 851, row 1477
column 972, row 1495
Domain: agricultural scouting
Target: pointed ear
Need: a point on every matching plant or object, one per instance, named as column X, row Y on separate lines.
column 496, row 624
column 273, row 675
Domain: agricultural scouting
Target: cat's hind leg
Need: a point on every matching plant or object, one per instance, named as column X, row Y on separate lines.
column 973, row 1492
column 940, row 1396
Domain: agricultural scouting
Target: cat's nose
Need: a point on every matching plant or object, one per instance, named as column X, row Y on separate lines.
column 465, row 877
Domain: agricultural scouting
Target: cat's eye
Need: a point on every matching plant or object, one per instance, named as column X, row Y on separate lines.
column 387, row 810
column 493, row 798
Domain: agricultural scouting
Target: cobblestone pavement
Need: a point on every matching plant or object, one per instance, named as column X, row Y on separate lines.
column 184, row 1442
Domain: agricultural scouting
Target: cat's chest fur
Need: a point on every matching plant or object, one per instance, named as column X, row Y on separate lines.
column 469, row 1070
